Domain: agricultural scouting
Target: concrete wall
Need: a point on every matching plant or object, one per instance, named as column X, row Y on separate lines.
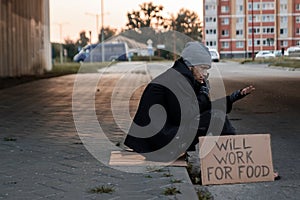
column 25, row 47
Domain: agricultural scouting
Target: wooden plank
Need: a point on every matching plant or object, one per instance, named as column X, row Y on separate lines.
column 236, row 159
column 125, row 158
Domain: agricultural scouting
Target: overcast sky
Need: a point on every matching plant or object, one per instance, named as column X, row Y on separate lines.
column 72, row 14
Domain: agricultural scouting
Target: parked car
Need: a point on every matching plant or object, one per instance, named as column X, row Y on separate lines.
column 294, row 50
column 265, row 54
column 112, row 52
column 215, row 57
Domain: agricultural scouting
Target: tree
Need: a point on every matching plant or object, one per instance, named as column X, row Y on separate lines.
column 83, row 40
column 187, row 22
column 108, row 32
column 71, row 48
column 149, row 15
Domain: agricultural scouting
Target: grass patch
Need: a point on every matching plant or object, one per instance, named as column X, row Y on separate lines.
column 204, row 194
column 167, row 175
column 102, row 189
column 57, row 70
column 171, row 191
column 148, row 176
column 279, row 62
column 9, row 139
column 176, row 181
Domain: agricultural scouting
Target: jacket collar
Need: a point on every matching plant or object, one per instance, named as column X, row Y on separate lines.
column 181, row 67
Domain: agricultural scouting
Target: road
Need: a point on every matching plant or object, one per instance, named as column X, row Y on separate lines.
column 274, row 107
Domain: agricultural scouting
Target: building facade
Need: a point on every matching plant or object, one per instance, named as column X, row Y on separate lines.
column 236, row 28
column 25, row 47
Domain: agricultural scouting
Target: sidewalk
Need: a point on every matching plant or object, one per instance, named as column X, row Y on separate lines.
column 42, row 156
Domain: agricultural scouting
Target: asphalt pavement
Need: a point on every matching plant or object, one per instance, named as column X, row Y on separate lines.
column 42, row 156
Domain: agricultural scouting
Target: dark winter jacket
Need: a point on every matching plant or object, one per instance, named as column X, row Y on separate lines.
column 171, row 103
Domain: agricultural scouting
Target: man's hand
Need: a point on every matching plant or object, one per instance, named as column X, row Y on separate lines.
column 247, row 90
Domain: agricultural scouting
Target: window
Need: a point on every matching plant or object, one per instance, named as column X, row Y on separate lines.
column 210, row 19
column 211, row 31
column 225, row 45
column 268, row 18
column 256, row 42
column 225, row 21
column 239, row 44
column 211, row 43
column 298, row 19
column 240, row 8
column 240, row 20
column 284, row 43
column 268, row 42
column 298, row 31
column 225, row 9
column 283, row 7
column 298, row 7
column 225, row 32
column 256, row 6
column 268, row 6
column 268, row 30
column 239, row 32
column 283, row 31
column 256, row 30
column 283, row 19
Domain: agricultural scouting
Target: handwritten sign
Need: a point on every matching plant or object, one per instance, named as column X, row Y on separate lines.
column 236, row 159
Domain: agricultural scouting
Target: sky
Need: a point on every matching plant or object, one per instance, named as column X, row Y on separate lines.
column 69, row 17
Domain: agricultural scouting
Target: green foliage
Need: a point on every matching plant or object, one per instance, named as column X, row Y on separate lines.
column 176, row 181
column 9, row 139
column 204, row 194
column 102, row 189
column 188, row 23
column 108, row 33
column 149, row 15
column 167, row 175
column 171, row 191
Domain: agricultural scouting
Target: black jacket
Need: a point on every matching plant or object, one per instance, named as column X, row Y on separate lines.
column 176, row 100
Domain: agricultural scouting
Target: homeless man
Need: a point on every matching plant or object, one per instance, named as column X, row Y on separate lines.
column 175, row 109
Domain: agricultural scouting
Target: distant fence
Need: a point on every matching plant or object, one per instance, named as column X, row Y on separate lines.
column 24, row 37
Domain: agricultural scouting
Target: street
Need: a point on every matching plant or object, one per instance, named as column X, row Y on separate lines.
column 274, row 108
column 43, row 157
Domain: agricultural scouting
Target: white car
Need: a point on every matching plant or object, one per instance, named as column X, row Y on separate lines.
column 215, row 57
column 292, row 50
column 265, row 54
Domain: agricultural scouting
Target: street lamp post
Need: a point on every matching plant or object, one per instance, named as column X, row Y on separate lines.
column 97, row 22
column 252, row 16
column 102, row 31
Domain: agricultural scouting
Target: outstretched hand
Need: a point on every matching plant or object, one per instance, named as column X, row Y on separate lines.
column 247, row 90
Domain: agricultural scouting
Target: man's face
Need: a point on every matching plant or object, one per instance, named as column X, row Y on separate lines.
column 200, row 72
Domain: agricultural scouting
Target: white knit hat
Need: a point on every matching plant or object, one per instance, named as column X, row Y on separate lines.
column 195, row 53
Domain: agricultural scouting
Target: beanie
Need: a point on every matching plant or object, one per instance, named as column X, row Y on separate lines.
column 195, row 53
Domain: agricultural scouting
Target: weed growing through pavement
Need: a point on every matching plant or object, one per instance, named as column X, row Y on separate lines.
column 176, row 181
column 102, row 189
column 204, row 194
column 167, row 175
column 9, row 139
column 171, row 191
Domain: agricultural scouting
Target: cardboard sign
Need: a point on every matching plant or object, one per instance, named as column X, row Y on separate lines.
column 236, row 159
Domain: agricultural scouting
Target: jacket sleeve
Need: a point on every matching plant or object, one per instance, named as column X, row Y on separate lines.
column 203, row 97
column 235, row 96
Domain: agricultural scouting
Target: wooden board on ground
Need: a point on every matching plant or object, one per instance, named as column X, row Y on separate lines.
column 125, row 158
column 236, row 159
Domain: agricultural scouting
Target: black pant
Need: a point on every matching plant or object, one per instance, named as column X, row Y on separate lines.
column 204, row 123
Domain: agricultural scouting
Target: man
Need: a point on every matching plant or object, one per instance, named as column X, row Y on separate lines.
column 175, row 108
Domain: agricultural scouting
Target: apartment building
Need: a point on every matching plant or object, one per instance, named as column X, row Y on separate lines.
column 236, row 28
